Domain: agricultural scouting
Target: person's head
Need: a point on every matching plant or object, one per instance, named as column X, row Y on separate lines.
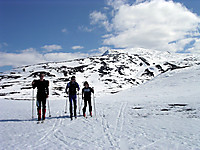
column 86, row 84
column 41, row 76
column 73, row 78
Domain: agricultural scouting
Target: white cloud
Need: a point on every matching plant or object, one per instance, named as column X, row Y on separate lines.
column 116, row 4
column 101, row 19
column 4, row 44
column 85, row 29
column 64, row 30
column 31, row 56
column 152, row 24
column 97, row 17
column 28, row 56
column 139, row 1
column 64, row 56
column 77, row 47
column 107, row 36
column 196, row 47
column 50, row 48
column 106, row 8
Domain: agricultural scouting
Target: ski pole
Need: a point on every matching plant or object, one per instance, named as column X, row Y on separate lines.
column 94, row 104
column 33, row 104
column 66, row 106
column 79, row 104
column 49, row 108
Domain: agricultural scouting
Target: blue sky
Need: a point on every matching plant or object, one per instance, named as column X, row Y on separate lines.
column 33, row 23
column 33, row 31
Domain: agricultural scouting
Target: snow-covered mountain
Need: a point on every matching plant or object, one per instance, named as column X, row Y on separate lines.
column 114, row 71
column 163, row 114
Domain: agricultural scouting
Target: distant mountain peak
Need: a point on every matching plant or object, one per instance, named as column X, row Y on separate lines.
column 111, row 51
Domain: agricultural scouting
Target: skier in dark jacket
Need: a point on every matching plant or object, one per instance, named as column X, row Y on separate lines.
column 42, row 94
column 71, row 89
column 86, row 96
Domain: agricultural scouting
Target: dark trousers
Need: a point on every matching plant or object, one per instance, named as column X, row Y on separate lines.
column 41, row 102
column 72, row 100
column 85, row 104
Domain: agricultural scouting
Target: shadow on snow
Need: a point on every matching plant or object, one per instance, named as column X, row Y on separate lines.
column 35, row 119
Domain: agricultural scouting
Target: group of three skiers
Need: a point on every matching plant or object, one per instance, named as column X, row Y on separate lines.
column 71, row 89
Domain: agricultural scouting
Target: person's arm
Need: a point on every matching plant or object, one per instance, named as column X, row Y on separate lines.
column 83, row 94
column 34, row 84
column 66, row 90
column 47, row 88
column 78, row 87
column 92, row 90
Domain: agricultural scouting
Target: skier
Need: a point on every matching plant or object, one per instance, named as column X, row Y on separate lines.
column 71, row 88
column 42, row 94
column 86, row 96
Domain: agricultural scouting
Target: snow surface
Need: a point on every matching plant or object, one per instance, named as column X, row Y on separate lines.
column 163, row 113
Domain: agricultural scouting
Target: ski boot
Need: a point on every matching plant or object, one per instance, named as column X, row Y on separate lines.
column 43, row 114
column 84, row 115
column 39, row 114
column 71, row 116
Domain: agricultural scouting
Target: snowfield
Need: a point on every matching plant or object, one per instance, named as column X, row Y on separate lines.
column 161, row 114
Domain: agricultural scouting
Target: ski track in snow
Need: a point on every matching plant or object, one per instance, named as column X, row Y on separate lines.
column 120, row 123
column 161, row 114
